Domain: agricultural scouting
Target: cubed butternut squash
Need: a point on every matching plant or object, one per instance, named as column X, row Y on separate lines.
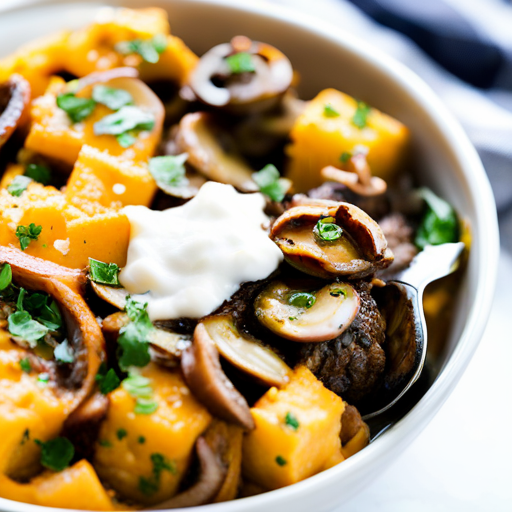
column 319, row 140
column 70, row 233
column 131, row 444
column 297, row 432
column 109, row 180
column 10, row 173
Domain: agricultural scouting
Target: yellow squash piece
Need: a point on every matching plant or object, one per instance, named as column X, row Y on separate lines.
column 111, row 181
column 129, row 442
column 70, row 233
column 297, row 432
column 319, row 140
column 11, row 171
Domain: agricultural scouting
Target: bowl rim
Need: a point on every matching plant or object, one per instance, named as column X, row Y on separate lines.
column 402, row 433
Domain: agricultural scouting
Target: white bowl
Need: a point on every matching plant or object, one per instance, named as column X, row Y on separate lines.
column 325, row 56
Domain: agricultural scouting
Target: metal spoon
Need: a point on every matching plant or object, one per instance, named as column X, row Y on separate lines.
column 407, row 329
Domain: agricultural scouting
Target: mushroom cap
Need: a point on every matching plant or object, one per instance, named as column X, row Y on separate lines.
column 14, row 100
column 359, row 251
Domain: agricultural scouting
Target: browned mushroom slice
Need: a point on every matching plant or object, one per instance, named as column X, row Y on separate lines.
column 211, row 476
column 299, row 313
column 115, row 296
column 200, row 137
column 248, row 355
column 83, row 332
column 242, row 76
column 208, row 382
column 330, row 241
column 14, row 99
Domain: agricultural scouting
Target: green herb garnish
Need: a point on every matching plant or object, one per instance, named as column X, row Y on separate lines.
column 141, row 439
column 169, row 171
column 64, row 353
column 25, row 437
column 103, row 273
column 77, row 109
column 112, row 98
column 126, row 139
column 108, row 381
column 43, row 378
column 121, row 434
column 327, row 230
column 140, row 388
column 281, row 461
column 439, row 224
column 126, row 119
column 57, row 453
column 149, row 49
column 270, row 183
column 23, row 326
column 105, row 443
column 338, row 292
column 5, row 276
column 345, row 157
column 26, row 234
column 302, row 300
column 292, row 421
column 360, row 116
column 25, row 365
column 240, row 63
column 39, row 173
column 18, row 185
column 149, row 486
column 330, row 111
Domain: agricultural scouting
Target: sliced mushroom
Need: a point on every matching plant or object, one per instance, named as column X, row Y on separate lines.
column 206, row 379
column 83, row 332
column 215, row 84
column 115, row 296
column 330, row 241
column 211, row 476
column 297, row 312
column 205, row 142
column 247, row 355
column 14, row 99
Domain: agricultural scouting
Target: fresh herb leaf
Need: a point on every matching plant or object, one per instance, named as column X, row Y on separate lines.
column 281, row 461
column 39, row 173
column 57, row 453
column 360, row 116
column 327, row 230
column 143, row 406
column 5, row 276
column 149, row 50
column 240, row 63
column 49, row 315
column 126, row 119
column 21, row 298
column 25, row 365
column 121, row 433
column 43, row 378
column 77, row 109
column 330, row 111
column 18, row 185
column 270, row 183
column 439, row 224
column 23, row 326
column 292, row 421
column 64, row 353
column 169, row 171
column 112, row 98
column 302, row 300
column 141, row 439
column 108, row 382
column 126, row 139
column 149, row 486
column 140, row 388
column 105, row 443
column 103, row 273
column 345, row 157
column 26, row 234
column 338, row 292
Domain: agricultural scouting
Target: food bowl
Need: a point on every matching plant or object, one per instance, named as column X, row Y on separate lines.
column 444, row 160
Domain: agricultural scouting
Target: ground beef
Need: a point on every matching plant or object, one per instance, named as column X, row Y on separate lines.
column 352, row 364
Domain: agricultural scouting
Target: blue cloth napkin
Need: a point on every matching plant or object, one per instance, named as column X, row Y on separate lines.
column 463, row 50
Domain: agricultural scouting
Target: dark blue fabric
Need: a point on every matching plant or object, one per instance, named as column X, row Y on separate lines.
column 445, row 35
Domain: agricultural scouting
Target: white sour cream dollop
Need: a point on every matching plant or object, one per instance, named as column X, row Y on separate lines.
column 188, row 260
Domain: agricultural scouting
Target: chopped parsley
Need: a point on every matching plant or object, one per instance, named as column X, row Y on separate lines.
column 169, row 171
column 149, row 49
column 105, row 443
column 39, row 173
column 338, row 292
column 28, row 233
column 134, row 349
column 149, row 486
column 23, row 326
column 107, row 381
column 327, row 230
column 126, row 139
column 121, row 434
column 330, row 111
column 140, row 388
column 292, row 421
column 76, row 108
column 281, row 461
column 345, row 157
column 18, row 185
column 103, row 273
column 5, row 276
column 240, row 63
column 64, row 353
column 141, row 439
column 439, row 224
column 57, row 453
column 112, row 98
column 270, row 183
column 25, row 365
column 302, row 300
column 360, row 116
column 43, row 378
